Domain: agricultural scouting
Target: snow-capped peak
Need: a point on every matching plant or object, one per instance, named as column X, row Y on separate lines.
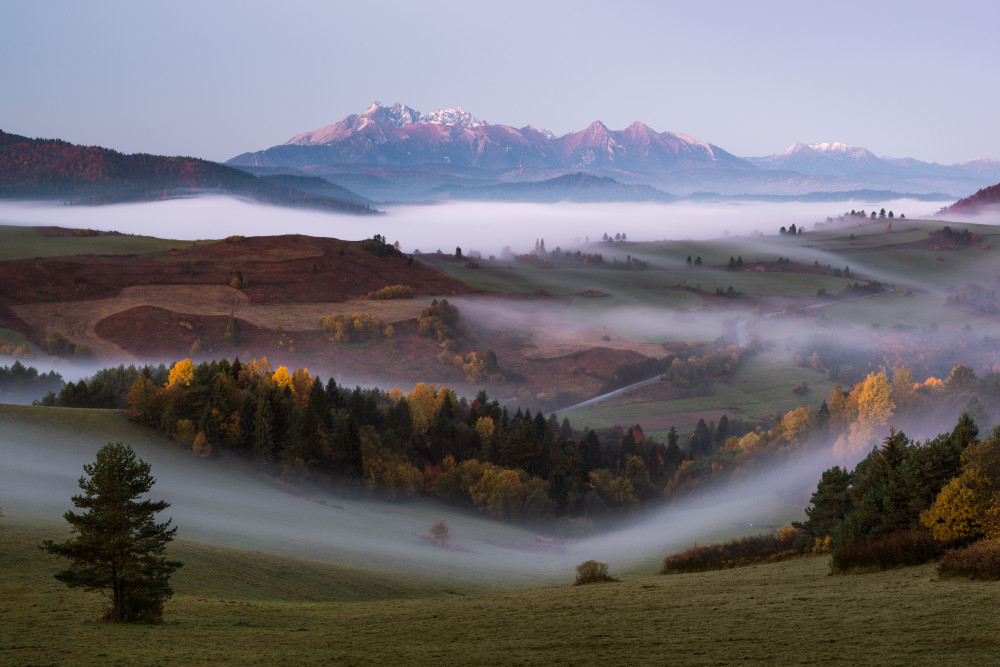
column 829, row 148
column 451, row 117
column 398, row 115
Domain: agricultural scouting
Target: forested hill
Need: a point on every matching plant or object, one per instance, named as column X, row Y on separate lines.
column 55, row 169
column 983, row 199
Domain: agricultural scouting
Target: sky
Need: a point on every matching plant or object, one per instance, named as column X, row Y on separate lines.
column 217, row 78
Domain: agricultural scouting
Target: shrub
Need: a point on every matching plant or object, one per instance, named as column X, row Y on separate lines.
column 439, row 531
column 393, row 292
column 765, row 548
column 913, row 546
column 979, row 560
column 592, row 572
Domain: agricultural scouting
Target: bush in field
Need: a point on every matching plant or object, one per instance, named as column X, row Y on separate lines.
column 439, row 531
column 592, row 572
column 914, row 546
column 979, row 560
column 765, row 548
column 393, row 292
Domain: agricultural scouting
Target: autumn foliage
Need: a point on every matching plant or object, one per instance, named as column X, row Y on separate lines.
column 765, row 548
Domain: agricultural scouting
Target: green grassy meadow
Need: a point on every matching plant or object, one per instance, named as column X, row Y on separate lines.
column 761, row 386
column 17, row 242
column 294, row 612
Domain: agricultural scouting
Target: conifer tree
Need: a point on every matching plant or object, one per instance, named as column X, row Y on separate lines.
column 119, row 549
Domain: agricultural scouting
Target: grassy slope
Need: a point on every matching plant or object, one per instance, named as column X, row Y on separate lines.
column 762, row 386
column 786, row 613
column 25, row 242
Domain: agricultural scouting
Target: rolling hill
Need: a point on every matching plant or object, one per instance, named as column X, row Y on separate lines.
column 55, row 169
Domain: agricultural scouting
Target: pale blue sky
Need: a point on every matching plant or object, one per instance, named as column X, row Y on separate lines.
column 217, row 78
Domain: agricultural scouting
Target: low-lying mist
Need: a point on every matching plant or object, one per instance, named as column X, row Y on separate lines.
column 214, row 502
column 475, row 227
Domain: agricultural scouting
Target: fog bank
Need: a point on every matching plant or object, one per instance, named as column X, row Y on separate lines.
column 484, row 227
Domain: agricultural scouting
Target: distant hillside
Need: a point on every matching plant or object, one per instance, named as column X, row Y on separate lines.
column 987, row 198
column 577, row 187
column 55, row 169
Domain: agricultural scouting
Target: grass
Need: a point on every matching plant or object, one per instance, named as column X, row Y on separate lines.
column 18, row 242
column 785, row 613
column 761, row 386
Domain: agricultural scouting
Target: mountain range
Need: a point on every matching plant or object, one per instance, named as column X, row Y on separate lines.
column 395, row 152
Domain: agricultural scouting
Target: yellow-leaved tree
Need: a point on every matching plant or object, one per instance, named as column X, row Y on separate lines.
column 875, row 408
column 181, row 374
column 968, row 506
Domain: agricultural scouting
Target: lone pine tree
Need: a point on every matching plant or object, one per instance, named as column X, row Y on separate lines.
column 118, row 549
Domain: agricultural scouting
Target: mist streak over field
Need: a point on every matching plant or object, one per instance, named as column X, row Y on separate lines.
column 215, row 503
column 482, row 227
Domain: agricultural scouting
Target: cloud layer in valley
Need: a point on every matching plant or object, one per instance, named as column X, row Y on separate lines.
column 475, row 227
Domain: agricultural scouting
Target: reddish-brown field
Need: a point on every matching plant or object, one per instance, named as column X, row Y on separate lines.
column 174, row 304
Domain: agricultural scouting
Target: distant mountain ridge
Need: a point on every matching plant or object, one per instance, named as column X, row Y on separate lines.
column 401, row 136
column 841, row 159
column 397, row 153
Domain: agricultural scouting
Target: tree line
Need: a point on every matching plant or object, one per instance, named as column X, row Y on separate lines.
column 476, row 453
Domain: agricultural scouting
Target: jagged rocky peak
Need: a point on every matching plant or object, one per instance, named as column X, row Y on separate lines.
column 398, row 115
column 452, row 117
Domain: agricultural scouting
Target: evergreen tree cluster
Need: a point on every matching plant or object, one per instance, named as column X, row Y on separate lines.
column 24, row 383
column 513, row 465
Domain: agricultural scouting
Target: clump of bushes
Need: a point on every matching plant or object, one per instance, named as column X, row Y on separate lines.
column 235, row 239
column 764, row 548
column 441, row 321
column 903, row 547
column 979, row 560
column 592, row 572
column 393, row 292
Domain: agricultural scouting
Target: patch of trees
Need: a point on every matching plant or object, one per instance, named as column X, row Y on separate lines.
column 907, row 502
column 928, row 353
column 442, row 321
column 358, row 326
column 867, row 288
column 851, row 420
column 963, row 237
column 393, row 292
column 975, row 298
column 792, row 230
column 833, row 270
column 108, row 388
column 378, row 246
column 59, row 346
column 510, row 465
column 579, row 258
column 24, row 383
